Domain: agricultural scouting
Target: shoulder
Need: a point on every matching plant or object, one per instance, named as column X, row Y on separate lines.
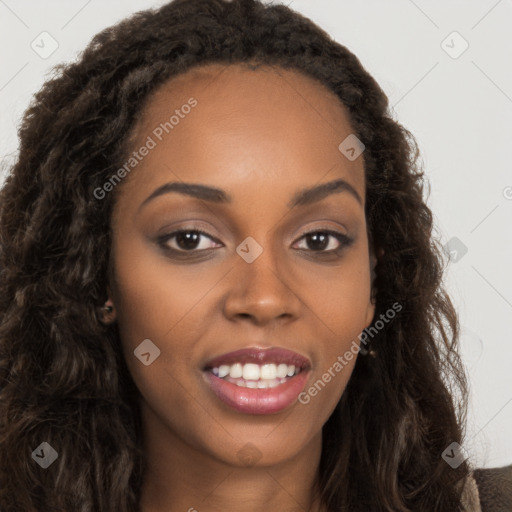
column 494, row 488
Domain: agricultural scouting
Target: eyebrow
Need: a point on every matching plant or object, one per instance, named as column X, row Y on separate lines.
column 302, row 197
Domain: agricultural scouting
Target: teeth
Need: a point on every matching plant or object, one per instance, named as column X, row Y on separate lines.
column 250, row 372
column 282, row 370
column 255, row 375
column 236, row 371
column 223, row 370
column 269, row 371
column 260, row 384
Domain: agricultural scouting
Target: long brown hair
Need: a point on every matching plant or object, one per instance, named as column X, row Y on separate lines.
column 62, row 377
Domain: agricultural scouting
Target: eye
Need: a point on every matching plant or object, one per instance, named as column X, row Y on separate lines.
column 186, row 240
column 323, row 239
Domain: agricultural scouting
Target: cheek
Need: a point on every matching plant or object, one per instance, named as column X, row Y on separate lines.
column 340, row 298
column 341, row 308
column 337, row 351
column 153, row 296
column 157, row 301
column 154, row 301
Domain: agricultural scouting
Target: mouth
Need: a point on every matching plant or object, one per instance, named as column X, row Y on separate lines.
column 256, row 381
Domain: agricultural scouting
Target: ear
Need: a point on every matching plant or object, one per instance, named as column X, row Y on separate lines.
column 108, row 310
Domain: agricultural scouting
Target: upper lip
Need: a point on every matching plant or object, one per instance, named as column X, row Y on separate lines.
column 274, row 355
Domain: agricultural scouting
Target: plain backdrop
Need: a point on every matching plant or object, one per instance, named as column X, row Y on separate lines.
column 447, row 70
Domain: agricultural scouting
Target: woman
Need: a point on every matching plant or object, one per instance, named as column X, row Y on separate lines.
column 219, row 286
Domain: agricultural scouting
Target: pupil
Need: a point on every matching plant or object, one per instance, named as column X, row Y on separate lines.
column 189, row 239
column 324, row 238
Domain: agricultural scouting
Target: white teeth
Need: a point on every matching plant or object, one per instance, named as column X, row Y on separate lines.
column 236, row 371
column 254, row 375
column 282, row 370
column 260, row 384
column 250, row 372
column 223, row 370
column 268, row 371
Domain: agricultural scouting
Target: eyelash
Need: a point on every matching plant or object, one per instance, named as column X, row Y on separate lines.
column 344, row 240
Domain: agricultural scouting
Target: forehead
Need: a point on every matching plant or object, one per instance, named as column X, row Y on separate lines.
column 248, row 126
column 249, row 90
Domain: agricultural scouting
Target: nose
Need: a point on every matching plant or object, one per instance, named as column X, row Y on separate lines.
column 262, row 291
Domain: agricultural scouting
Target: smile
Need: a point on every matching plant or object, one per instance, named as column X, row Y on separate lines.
column 252, row 375
column 256, row 381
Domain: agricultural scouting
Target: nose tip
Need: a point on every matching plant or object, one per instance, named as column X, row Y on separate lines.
column 260, row 293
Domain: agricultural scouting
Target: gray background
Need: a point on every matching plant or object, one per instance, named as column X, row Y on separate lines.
column 459, row 108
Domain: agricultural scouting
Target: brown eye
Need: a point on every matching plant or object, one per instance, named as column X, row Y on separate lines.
column 186, row 240
column 325, row 241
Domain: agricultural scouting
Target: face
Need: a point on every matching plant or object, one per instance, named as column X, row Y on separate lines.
column 274, row 266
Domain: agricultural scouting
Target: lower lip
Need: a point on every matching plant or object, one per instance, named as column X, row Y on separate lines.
column 258, row 401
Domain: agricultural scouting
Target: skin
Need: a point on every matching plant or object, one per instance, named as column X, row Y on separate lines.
column 260, row 135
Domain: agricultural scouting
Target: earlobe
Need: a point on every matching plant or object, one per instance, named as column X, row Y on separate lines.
column 108, row 311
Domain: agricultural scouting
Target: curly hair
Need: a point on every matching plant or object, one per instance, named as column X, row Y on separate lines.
column 62, row 375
